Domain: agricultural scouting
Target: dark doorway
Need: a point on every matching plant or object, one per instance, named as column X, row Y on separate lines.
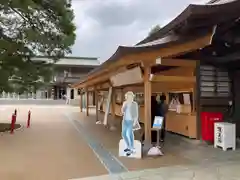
column 72, row 94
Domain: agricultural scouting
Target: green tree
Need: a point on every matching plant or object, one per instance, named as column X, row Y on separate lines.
column 154, row 30
column 29, row 28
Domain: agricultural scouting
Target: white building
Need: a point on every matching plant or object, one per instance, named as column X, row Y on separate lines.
column 68, row 70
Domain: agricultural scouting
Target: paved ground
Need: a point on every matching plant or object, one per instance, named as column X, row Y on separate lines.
column 63, row 144
column 182, row 160
column 226, row 171
column 51, row 149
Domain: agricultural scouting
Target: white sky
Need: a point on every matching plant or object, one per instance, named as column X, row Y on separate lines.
column 103, row 25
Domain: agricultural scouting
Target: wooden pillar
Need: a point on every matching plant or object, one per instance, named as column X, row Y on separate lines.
column 94, row 98
column 113, row 103
column 96, row 103
column 81, row 102
column 147, row 104
column 87, row 102
column 193, row 99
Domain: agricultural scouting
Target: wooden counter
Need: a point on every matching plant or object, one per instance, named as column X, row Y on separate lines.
column 183, row 124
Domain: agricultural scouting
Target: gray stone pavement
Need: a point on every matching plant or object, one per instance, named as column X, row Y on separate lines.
column 222, row 171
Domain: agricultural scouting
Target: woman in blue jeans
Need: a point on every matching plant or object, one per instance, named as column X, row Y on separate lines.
column 130, row 119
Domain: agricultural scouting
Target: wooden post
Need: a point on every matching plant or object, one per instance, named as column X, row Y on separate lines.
column 193, row 99
column 113, row 103
column 96, row 103
column 147, row 104
column 87, row 102
column 81, row 102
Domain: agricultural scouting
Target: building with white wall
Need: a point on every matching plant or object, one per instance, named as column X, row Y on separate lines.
column 68, row 70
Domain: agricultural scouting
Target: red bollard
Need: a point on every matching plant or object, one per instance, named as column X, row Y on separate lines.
column 29, row 119
column 13, row 123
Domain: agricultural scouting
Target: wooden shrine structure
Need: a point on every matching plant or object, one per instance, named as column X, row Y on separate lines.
column 172, row 61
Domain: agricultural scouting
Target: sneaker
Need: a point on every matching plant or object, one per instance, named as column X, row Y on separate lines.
column 127, row 150
column 133, row 151
column 128, row 153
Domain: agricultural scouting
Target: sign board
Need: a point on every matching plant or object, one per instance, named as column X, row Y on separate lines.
column 132, row 76
column 159, row 61
column 158, row 121
column 186, row 99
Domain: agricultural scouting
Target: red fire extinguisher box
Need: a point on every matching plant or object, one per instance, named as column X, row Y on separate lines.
column 207, row 120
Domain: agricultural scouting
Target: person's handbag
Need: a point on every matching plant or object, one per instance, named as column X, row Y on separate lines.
column 136, row 126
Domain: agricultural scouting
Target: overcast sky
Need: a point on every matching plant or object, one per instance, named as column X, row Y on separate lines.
column 103, row 25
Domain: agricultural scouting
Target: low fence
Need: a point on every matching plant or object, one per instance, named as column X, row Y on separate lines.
column 32, row 101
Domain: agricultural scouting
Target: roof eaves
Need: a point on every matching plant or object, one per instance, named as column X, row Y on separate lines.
column 170, row 26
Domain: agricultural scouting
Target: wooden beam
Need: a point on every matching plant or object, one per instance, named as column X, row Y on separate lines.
column 158, row 87
column 147, row 105
column 104, row 85
column 168, row 79
column 149, row 57
column 174, row 62
column 179, row 71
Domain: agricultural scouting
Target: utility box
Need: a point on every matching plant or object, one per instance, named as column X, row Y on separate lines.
column 225, row 135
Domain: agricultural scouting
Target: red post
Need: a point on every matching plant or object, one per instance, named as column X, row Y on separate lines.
column 29, row 119
column 13, row 123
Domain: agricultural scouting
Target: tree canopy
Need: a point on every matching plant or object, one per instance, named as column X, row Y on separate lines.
column 154, row 30
column 30, row 28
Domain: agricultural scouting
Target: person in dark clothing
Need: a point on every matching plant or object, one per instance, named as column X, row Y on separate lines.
column 163, row 109
column 153, row 112
column 158, row 108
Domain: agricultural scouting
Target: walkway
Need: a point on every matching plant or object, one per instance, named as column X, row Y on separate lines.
column 223, row 171
column 182, row 160
column 50, row 150
column 63, row 144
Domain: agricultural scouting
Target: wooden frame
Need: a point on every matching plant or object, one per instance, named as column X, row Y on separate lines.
column 163, row 78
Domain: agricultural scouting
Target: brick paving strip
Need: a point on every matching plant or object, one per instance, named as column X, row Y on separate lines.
column 110, row 162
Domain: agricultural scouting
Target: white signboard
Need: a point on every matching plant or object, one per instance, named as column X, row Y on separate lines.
column 158, row 121
column 186, row 99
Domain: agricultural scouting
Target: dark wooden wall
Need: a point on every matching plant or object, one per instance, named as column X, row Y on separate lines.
column 236, row 96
